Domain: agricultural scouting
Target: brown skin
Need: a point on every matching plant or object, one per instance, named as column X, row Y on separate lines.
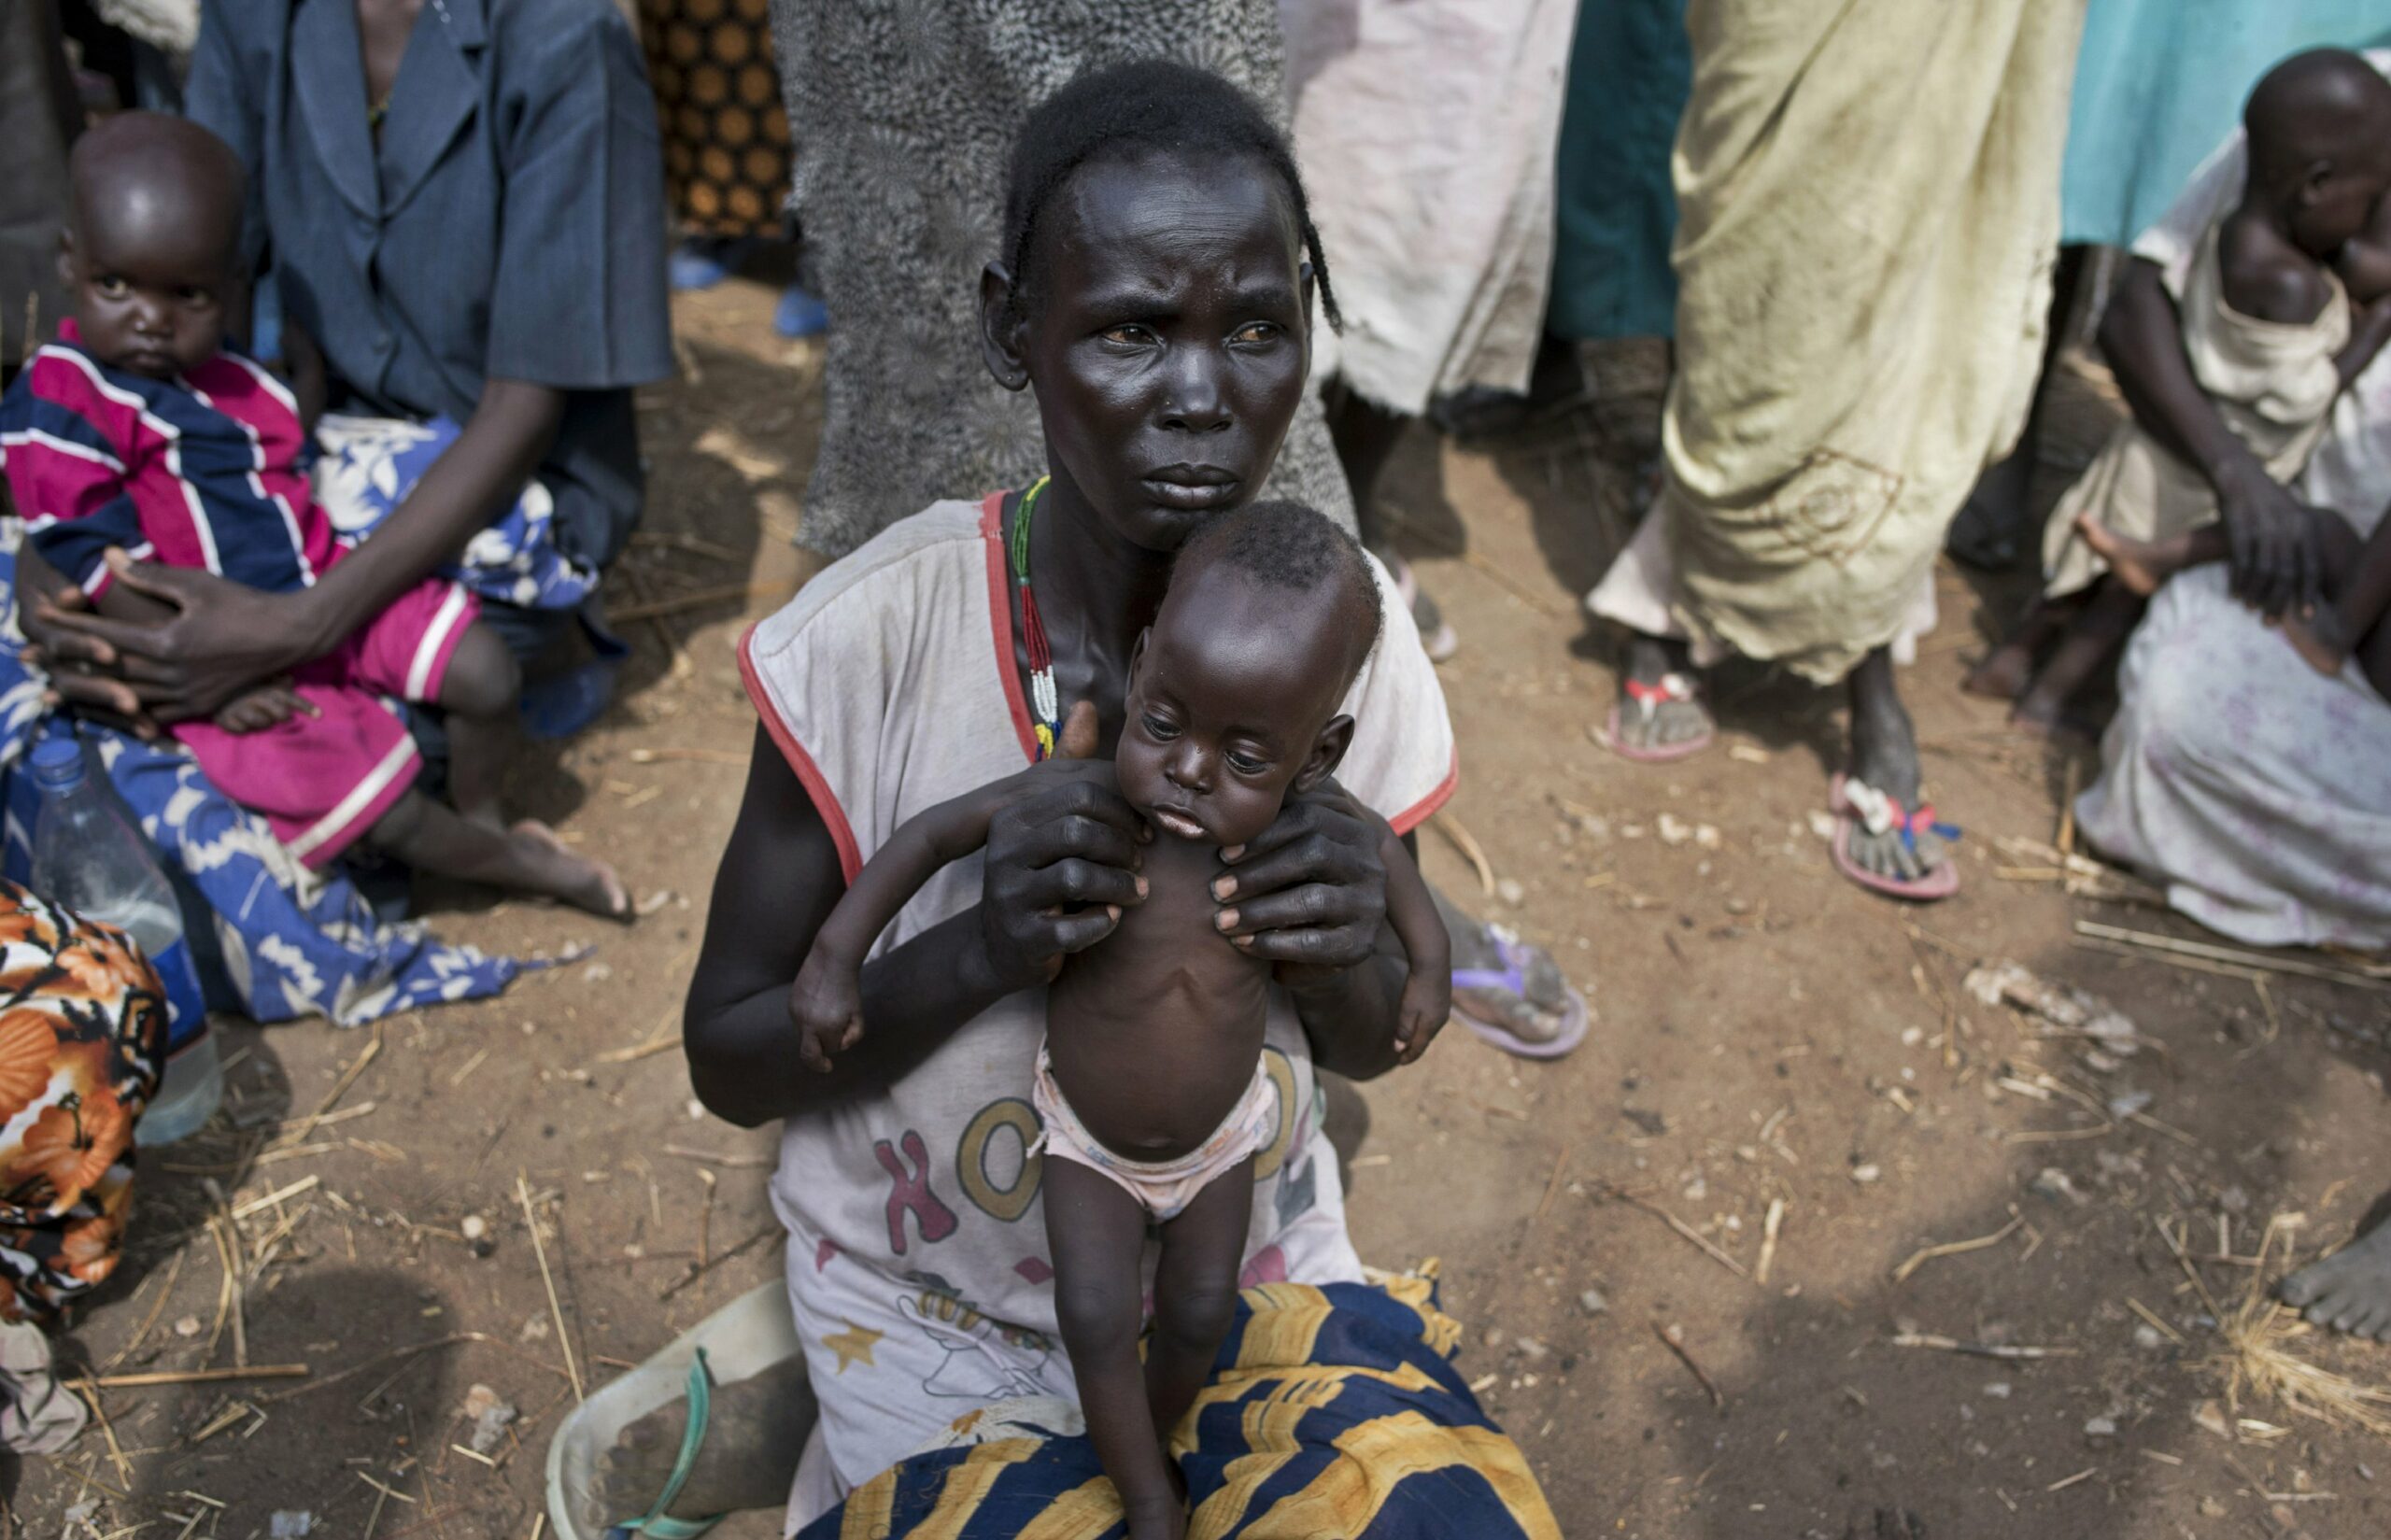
column 149, row 258
column 2320, row 160
column 148, row 253
column 1168, row 350
column 1155, row 1032
column 221, row 638
column 2276, row 560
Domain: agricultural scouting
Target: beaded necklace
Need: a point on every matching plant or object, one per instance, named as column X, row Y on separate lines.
column 1045, row 706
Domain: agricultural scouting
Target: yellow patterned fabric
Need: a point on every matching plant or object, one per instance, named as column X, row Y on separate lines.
column 1331, row 1411
column 718, row 103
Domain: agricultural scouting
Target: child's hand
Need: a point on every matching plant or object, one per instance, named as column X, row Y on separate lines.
column 826, row 1004
column 267, row 706
column 1427, row 1004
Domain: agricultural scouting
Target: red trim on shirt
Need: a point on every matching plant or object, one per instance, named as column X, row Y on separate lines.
column 809, row 775
column 1417, row 813
column 992, row 530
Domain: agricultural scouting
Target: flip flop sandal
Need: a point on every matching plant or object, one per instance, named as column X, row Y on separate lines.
column 746, row 1336
column 1673, row 689
column 1856, row 806
column 1513, row 978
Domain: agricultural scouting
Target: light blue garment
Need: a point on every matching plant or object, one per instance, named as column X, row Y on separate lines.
column 508, row 224
column 2159, row 84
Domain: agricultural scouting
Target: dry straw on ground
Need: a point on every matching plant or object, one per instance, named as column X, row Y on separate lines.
column 2258, row 1360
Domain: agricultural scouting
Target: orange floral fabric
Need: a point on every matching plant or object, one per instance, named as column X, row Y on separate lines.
column 82, row 1037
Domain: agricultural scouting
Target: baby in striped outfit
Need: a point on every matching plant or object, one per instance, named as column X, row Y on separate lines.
column 140, row 437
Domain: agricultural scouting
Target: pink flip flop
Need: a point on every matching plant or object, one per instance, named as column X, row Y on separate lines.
column 1941, row 883
column 1673, row 690
column 1512, row 976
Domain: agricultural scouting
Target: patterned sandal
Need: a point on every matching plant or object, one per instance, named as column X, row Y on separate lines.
column 1674, row 689
column 1858, row 805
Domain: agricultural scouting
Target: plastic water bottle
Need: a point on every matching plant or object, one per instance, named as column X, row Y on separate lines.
column 90, row 860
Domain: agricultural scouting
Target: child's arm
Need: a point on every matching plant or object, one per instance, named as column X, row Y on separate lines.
column 2364, row 267
column 827, row 1001
column 2369, row 329
column 1411, row 911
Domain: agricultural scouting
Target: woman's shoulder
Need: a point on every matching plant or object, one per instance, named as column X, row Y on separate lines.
column 540, row 36
column 933, row 563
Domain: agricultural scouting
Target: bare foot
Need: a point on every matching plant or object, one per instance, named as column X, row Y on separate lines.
column 555, row 869
column 2349, row 1290
column 755, row 1429
column 2142, row 566
column 2003, row 675
column 1884, row 755
column 2316, row 638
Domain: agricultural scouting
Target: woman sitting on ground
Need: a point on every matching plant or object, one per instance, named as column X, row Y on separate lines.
column 460, row 213
column 1154, row 291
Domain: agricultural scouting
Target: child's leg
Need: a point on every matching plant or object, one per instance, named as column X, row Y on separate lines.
column 2143, row 566
column 479, row 691
column 2009, row 668
column 1196, row 1292
column 1098, row 1235
column 430, row 836
column 2098, row 629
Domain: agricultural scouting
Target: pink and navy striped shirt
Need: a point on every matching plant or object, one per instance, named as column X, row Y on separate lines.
column 201, row 471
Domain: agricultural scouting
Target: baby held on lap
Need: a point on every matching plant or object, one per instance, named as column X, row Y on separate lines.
column 2286, row 299
column 141, row 437
column 1150, row 1086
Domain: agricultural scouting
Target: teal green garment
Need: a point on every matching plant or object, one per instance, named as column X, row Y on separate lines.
column 1630, row 72
column 2160, row 83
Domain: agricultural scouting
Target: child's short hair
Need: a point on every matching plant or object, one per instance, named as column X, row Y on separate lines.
column 1156, row 104
column 1285, row 544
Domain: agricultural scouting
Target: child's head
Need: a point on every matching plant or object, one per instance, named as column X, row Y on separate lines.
column 1235, row 689
column 2320, row 145
column 1153, row 287
column 151, row 247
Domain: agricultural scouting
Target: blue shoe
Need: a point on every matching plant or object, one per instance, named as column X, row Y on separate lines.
column 702, row 262
column 801, row 314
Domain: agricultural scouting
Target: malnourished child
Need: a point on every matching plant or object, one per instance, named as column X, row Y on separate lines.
column 1150, row 1084
column 141, row 437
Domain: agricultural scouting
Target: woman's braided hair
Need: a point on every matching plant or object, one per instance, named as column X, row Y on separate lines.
column 1152, row 104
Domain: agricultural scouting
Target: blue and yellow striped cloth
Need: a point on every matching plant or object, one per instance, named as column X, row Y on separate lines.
column 1333, row 1411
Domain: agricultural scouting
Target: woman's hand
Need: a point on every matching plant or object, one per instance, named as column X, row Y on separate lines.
column 1062, row 863
column 2278, row 565
column 221, row 638
column 1311, row 893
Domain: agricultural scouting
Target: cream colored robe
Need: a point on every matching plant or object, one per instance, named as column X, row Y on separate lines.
column 1869, row 196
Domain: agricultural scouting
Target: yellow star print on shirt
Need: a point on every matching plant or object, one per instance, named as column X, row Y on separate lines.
column 853, row 1346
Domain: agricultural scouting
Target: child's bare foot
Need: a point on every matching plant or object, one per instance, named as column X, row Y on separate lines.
column 549, row 865
column 2142, row 566
column 2316, row 637
column 2003, row 675
column 755, row 1430
column 2349, row 1290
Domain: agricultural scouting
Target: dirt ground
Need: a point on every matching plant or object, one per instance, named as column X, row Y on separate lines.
column 1768, row 1036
